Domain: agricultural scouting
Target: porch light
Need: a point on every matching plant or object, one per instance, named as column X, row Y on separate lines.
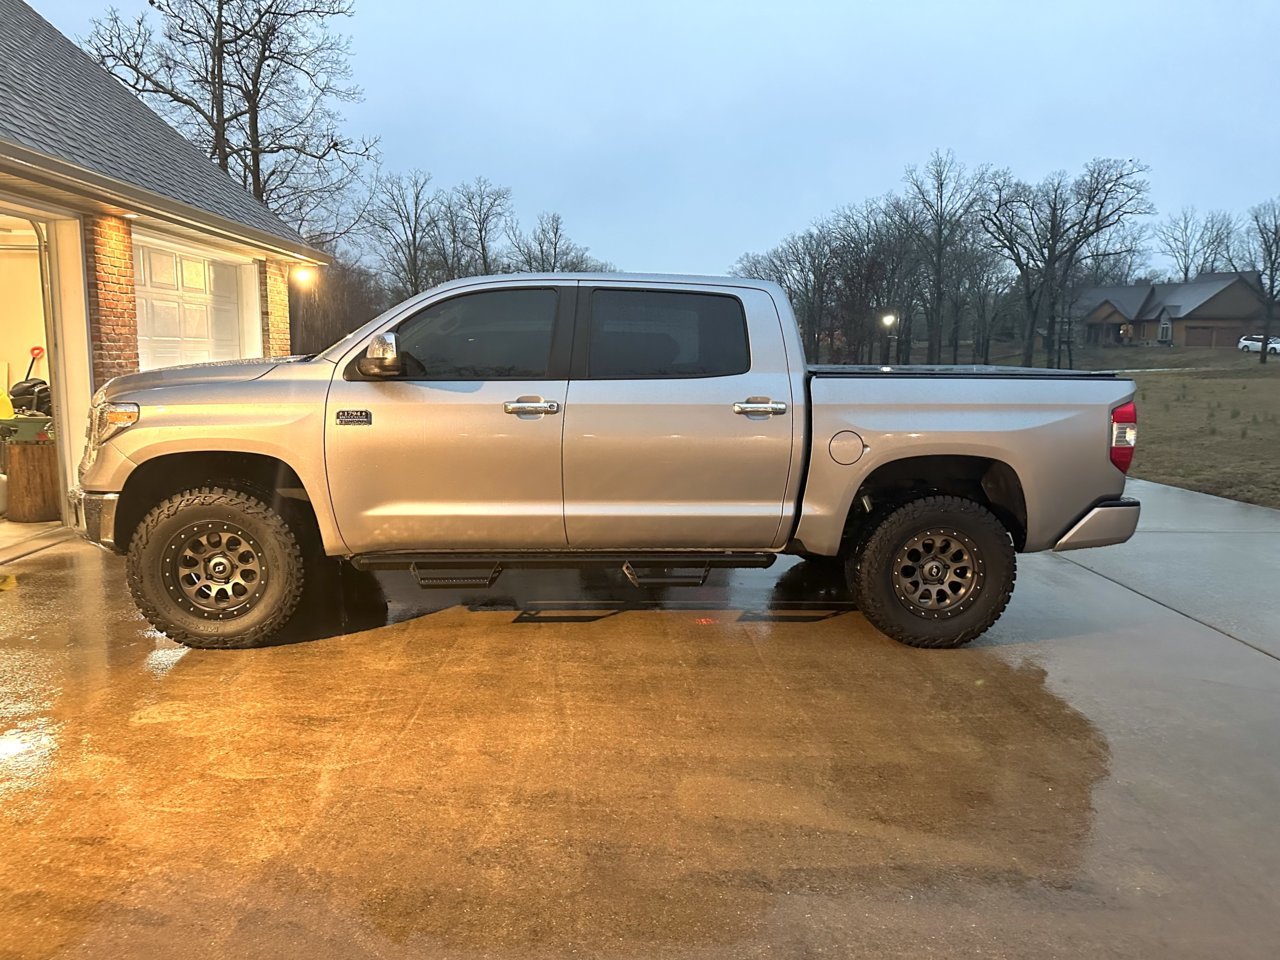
column 303, row 276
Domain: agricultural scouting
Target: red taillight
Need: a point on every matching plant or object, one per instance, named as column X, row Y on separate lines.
column 1124, row 435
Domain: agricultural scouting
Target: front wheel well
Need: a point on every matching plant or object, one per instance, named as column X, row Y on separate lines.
column 155, row 480
column 992, row 483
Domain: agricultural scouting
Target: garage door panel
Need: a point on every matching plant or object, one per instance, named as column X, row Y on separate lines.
column 226, row 330
column 165, row 319
column 193, row 276
column 224, row 280
column 188, row 309
column 159, row 353
column 161, row 270
column 195, row 322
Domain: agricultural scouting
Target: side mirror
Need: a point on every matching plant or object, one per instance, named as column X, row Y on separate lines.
column 381, row 358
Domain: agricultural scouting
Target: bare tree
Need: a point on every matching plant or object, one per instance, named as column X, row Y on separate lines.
column 325, row 312
column 942, row 198
column 1196, row 245
column 1258, row 252
column 400, row 225
column 803, row 266
column 487, row 210
column 1042, row 230
column 986, row 277
column 1114, row 257
column 548, row 249
column 450, row 244
column 255, row 84
column 878, row 272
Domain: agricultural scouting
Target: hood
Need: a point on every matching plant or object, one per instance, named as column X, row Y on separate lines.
column 221, row 371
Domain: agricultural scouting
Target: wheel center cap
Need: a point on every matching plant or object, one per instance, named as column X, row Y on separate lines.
column 933, row 570
column 220, row 566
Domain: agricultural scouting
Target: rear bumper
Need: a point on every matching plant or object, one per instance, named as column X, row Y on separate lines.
column 1112, row 521
column 95, row 514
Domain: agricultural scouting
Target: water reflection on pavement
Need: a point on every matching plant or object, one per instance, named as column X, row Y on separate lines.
column 564, row 764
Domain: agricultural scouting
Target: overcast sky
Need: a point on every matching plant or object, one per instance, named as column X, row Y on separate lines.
column 675, row 136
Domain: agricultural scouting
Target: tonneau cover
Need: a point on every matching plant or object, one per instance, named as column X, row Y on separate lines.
column 965, row 370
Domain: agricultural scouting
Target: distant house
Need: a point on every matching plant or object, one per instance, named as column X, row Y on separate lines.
column 1213, row 310
column 122, row 246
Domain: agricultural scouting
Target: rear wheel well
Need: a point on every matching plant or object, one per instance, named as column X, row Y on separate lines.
column 272, row 480
column 992, row 483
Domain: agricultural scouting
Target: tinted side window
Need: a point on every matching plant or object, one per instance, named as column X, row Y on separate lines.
column 494, row 335
column 640, row 334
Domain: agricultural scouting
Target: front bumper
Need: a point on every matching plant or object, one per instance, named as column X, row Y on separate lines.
column 1112, row 521
column 95, row 514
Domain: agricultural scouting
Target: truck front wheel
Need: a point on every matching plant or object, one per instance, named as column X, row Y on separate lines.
column 936, row 572
column 216, row 568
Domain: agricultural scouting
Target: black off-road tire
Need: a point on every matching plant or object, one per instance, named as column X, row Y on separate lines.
column 153, row 569
column 969, row 605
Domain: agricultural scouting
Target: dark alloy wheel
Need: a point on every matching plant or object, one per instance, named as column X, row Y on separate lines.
column 216, row 568
column 935, row 572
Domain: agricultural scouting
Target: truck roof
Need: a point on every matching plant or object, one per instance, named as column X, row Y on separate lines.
column 672, row 278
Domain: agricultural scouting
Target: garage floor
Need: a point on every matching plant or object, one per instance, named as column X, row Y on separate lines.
column 556, row 767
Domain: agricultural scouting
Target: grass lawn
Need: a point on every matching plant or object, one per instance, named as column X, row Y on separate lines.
column 1140, row 358
column 1210, row 424
column 1212, row 430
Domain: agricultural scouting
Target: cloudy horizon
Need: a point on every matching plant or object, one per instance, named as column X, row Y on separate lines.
column 677, row 137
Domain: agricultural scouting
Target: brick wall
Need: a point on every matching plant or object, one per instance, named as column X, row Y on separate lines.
column 113, row 309
column 273, row 293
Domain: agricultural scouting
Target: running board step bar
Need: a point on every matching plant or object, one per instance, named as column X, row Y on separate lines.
column 425, row 580
column 666, row 578
column 687, row 569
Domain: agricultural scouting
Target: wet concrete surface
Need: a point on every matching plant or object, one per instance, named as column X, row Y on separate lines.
column 1213, row 559
column 561, row 766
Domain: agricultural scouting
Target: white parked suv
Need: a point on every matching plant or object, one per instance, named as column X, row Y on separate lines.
column 1253, row 344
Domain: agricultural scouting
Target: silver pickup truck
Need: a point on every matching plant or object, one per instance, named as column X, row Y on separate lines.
column 662, row 425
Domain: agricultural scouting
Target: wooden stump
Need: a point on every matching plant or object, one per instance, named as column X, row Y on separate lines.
column 33, row 482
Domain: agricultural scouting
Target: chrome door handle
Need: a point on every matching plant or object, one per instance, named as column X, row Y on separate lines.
column 531, row 406
column 760, row 406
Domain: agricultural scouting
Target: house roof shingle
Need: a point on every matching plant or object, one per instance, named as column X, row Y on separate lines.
column 1127, row 299
column 55, row 100
column 1148, row 301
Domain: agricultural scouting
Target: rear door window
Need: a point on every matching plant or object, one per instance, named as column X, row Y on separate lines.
column 650, row 334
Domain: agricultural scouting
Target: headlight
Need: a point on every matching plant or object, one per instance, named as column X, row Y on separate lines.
column 108, row 419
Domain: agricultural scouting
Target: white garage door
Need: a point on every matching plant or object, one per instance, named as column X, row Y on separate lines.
column 188, row 308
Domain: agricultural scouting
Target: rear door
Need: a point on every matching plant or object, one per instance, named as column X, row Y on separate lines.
column 679, row 420
column 462, row 452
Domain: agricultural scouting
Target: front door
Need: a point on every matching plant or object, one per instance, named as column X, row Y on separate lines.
column 462, row 452
column 678, row 426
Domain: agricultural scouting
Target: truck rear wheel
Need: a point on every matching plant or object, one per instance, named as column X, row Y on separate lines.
column 936, row 572
column 216, row 568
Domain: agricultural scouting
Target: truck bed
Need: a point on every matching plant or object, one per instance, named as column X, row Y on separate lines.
column 952, row 371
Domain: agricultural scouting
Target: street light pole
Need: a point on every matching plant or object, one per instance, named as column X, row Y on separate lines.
column 889, row 321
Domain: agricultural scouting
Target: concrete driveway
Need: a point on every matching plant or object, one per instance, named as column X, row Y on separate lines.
column 558, row 767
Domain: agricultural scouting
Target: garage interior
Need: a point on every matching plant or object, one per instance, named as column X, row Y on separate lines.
column 30, row 492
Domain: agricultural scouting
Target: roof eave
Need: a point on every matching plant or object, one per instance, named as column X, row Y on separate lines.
column 75, row 179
